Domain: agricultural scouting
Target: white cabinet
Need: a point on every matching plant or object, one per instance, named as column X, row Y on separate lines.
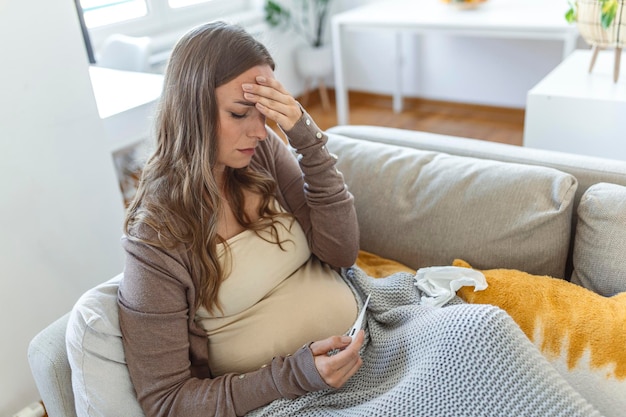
column 126, row 103
column 572, row 110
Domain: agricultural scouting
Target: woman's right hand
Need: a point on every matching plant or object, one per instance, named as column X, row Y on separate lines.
column 336, row 369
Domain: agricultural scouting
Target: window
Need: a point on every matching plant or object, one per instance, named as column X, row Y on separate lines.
column 162, row 20
column 175, row 4
column 105, row 12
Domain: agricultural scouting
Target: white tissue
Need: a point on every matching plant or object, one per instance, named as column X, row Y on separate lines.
column 440, row 283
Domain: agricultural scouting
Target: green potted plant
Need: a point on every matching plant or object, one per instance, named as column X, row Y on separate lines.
column 608, row 10
column 599, row 23
column 308, row 18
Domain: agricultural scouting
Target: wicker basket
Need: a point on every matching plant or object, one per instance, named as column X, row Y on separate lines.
column 590, row 28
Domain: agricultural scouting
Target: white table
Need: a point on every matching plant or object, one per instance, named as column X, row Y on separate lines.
column 126, row 102
column 513, row 19
column 572, row 110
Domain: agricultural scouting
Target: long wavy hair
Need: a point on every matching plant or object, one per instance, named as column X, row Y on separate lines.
column 178, row 196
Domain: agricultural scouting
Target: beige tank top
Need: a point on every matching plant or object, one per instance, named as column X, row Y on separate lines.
column 274, row 301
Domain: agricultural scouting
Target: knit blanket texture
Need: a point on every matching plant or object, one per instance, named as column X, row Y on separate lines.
column 458, row 360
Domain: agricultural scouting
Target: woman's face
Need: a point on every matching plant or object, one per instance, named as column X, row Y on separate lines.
column 241, row 125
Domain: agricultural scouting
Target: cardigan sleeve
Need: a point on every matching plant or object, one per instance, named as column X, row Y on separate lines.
column 314, row 191
column 166, row 353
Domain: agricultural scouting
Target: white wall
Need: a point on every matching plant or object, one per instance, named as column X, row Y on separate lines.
column 61, row 209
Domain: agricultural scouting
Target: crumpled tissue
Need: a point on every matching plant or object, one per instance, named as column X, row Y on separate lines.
column 440, row 283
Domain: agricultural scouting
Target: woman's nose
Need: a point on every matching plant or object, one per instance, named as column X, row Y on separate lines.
column 258, row 129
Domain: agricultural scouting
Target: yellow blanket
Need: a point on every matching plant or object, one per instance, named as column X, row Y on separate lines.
column 559, row 315
column 379, row 267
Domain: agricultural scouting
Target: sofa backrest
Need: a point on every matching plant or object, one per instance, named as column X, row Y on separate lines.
column 588, row 170
column 553, row 181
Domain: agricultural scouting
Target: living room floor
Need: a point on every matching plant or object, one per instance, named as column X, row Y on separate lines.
column 495, row 124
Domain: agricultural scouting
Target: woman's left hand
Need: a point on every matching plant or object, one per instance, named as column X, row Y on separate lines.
column 273, row 101
column 336, row 368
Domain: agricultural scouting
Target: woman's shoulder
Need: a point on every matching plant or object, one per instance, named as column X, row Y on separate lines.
column 147, row 260
column 145, row 239
column 141, row 232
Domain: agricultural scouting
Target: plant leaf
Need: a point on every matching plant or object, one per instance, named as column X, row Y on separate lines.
column 571, row 15
column 609, row 10
column 275, row 14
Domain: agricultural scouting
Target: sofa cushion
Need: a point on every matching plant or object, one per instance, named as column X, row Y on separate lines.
column 425, row 208
column 100, row 378
column 600, row 242
column 580, row 332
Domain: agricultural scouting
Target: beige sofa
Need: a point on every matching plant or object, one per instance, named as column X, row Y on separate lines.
column 424, row 200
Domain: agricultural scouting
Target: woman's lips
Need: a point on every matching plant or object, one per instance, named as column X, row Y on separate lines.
column 247, row 151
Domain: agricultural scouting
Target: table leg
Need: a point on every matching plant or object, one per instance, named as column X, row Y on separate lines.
column 594, row 56
column 341, row 93
column 307, row 90
column 324, row 95
column 398, row 58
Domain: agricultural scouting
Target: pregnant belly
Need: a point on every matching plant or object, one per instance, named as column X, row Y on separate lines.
column 312, row 304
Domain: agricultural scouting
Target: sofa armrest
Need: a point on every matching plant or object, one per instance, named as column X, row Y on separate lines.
column 47, row 356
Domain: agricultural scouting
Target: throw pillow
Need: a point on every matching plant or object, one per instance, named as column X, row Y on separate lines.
column 426, row 208
column 583, row 334
column 100, row 378
column 600, row 243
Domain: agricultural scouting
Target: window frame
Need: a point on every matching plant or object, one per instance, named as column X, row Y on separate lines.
column 162, row 19
column 110, row 8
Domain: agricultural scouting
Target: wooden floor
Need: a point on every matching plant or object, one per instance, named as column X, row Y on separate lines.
column 496, row 124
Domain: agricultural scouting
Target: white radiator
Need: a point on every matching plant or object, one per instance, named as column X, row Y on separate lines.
column 161, row 45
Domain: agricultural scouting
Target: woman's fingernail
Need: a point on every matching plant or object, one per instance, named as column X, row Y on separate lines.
column 247, row 87
column 261, row 79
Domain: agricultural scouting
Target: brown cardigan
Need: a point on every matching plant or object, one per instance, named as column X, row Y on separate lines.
column 166, row 351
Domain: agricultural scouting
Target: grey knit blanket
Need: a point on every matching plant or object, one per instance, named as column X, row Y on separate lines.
column 459, row 360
